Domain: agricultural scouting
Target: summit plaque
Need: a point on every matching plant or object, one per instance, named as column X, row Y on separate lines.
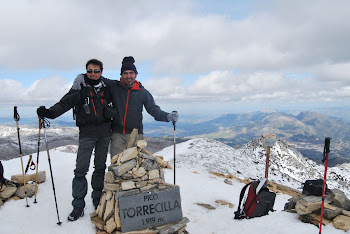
column 150, row 209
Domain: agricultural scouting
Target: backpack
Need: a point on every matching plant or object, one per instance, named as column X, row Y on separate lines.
column 83, row 111
column 258, row 200
column 313, row 187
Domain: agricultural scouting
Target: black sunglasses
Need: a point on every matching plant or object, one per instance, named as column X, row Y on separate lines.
column 93, row 71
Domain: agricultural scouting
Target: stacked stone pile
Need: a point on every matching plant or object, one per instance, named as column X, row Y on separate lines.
column 134, row 171
column 336, row 209
column 14, row 189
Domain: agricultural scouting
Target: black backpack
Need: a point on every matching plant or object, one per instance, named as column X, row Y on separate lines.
column 259, row 200
column 313, row 187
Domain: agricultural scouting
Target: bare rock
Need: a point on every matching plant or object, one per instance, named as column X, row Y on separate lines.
column 102, row 207
column 109, row 211
column 110, row 225
column 93, row 214
column 162, row 163
column 309, row 204
column 141, row 184
column 345, row 212
column 19, row 178
column 147, row 164
column 139, row 172
column 111, row 187
column 141, row 144
column 109, row 177
column 122, row 169
column 342, row 222
column 339, row 198
column 290, row 205
column 115, row 158
column 41, row 177
column 224, row 203
column 330, row 212
column 30, row 190
column 99, row 223
column 172, row 228
column 154, row 174
column 148, row 187
column 116, row 215
column 132, row 139
column 8, row 192
column 206, row 206
column 227, row 181
column 129, row 154
column 127, row 185
column 313, row 218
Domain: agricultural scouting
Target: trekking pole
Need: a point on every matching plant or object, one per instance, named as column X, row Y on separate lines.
column 37, row 161
column 326, row 150
column 267, row 164
column 174, row 123
column 17, row 117
column 46, row 124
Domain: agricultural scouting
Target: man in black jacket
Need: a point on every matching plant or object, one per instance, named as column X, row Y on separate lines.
column 129, row 98
column 93, row 117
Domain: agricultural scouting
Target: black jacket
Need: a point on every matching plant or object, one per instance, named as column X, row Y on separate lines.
column 91, row 109
column 129, row 105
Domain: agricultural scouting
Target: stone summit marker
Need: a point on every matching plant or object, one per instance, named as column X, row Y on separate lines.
column 135, row 195
column 150, row 209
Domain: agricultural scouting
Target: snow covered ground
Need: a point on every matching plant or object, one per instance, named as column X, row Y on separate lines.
column 196, row 186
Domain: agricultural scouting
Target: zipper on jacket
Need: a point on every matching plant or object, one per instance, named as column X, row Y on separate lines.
column 126, row 110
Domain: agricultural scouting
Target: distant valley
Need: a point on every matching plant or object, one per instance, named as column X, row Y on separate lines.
column 305, row 131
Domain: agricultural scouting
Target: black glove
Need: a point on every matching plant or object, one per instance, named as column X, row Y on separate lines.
column 42, row 112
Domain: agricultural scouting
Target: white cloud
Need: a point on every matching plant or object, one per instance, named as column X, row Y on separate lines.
column 233, row 58
column 41, row 92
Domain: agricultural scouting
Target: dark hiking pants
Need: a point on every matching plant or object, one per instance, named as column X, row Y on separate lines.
column 79, row 184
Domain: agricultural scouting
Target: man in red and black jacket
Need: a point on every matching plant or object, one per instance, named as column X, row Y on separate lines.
column 129, row 97
column 93, row 113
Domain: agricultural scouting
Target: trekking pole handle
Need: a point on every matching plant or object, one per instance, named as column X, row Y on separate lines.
column 174, row 121
column 15, row 114
column 326, row 150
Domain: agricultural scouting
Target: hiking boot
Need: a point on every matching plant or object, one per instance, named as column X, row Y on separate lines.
column 76, row 214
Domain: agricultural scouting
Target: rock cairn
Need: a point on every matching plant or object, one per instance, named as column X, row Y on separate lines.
column 336, row 209
column 14, row 189
column 134, row 171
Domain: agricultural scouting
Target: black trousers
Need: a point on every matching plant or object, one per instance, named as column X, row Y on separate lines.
column 79, row 184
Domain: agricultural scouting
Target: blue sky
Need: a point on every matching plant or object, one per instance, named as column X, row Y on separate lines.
column 197, row 57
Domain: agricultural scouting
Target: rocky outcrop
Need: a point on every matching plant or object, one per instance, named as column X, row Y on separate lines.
column 14, row 189
column 336, row 206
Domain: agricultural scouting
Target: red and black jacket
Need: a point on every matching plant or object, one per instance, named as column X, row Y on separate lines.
column 129, row 105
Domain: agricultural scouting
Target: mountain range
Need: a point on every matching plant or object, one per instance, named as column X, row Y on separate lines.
column 306, row 131
column 287, row 165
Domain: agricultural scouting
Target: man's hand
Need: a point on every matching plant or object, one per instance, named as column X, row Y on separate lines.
column 42, row 112
column 173, row 116
column 78, row 82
